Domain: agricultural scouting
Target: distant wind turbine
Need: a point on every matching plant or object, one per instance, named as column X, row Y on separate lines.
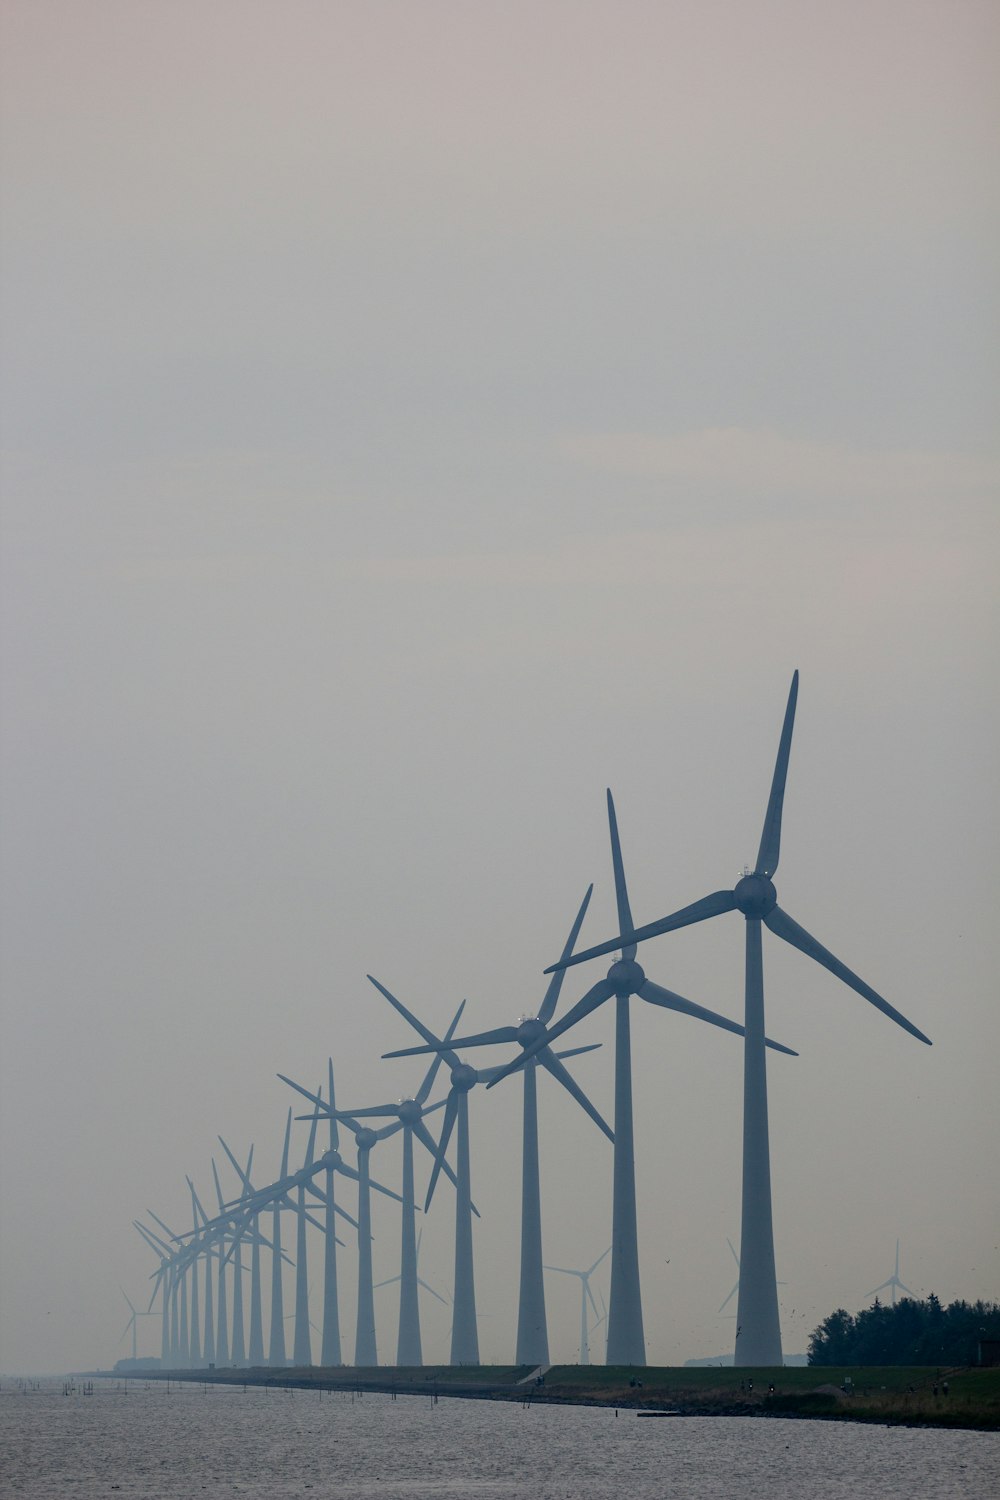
column 893, row 1283
column 586, row 1295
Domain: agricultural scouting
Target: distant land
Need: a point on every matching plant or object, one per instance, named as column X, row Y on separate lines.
column 915, row 1396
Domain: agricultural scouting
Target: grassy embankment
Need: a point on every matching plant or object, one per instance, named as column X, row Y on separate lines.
column 889, row 1394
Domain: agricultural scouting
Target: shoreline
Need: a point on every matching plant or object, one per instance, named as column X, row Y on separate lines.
column 919, row 1396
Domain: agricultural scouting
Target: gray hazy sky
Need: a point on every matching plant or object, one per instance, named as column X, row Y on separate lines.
column 417, row 418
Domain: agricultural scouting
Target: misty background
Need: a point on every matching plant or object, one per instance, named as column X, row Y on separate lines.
column 416, row 419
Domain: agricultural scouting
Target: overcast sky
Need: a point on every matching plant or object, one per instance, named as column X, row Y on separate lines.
column 419, row 417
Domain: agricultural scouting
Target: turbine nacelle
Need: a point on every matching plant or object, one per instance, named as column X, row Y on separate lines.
column 409, row 1111
column 755, row 896
column 529, row 1030
column 463, row 1078
column 627, row 976
column 331, row 1160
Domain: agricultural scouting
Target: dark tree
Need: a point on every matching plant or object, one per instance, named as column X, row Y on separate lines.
column 911, row 1333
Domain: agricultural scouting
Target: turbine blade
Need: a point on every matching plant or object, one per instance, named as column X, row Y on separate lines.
column 590, row 1297
column 421, row 1282
column 387, row 1191
column 733, row 1252
column 316, row 1099
column 595, row 996
column 288, row 1137
column 311, row 1144
column 551, row 1063
column 579, row 1051
column 451, row 1058
column 388, row 1130
column 709, row 906
column 729, row 1299
column 375, row 1111
column 243, row 1176
column 450, row 1116
column 548, row 1006
column 168, row 1232
column 782, row 925
column 625, row 923
column 424, row 1090
column 597, row 1262
column 657, row 995
column 478, row 1039
column 218, row 1186
column 770, row 839
column 425, row 1138
column 334, row 1132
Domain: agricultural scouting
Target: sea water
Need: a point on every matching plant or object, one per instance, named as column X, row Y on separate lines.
column 178, row 1441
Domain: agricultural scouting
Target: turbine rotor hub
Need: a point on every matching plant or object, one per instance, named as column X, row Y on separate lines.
column 330, row 1159
column 366, row 1139
column 627, row 976
column 530, row 1030
column 464, row 1078
column 755, row 896
column 409, row 1111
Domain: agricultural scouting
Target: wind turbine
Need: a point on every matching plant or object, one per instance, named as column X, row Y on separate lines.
column 893, row 1283
column 418, row 1282
column 755, row 898
column 532, row 1345
column 411, row 1114
column 464, row 1332
column 246, row 1227
column 132, row 1323
column 586, row 1295
column 278, row 1196
column 208, row 1344
column 178, row 1292
column 736, row 1283
column 626, row 1344
column 332, row 1163
column 365, row 1339
column 163, row 1283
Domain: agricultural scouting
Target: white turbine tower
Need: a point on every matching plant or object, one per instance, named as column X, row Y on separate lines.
column 758, row 1336
column 626, row 1343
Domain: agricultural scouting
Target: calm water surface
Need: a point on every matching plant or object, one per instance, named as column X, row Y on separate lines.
column 183, row 1441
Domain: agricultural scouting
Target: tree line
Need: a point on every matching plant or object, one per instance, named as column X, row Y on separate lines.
column 910, row 1333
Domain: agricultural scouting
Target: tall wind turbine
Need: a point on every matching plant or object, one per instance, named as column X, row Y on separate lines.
column 626, row 1343
column 755, row 898
column 586, row 1295
column 131, row 1324
column 163, row 1284
column 208, row 1342
column 332, row 1162
column 420, row 1282
column 464, row 1332
column 532, row 1345
column 365, row 1339
column 736, row 1284
column 411, row 1114
column 893, row 1283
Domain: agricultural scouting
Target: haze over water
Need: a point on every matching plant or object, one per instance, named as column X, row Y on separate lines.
column 156, row 1443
